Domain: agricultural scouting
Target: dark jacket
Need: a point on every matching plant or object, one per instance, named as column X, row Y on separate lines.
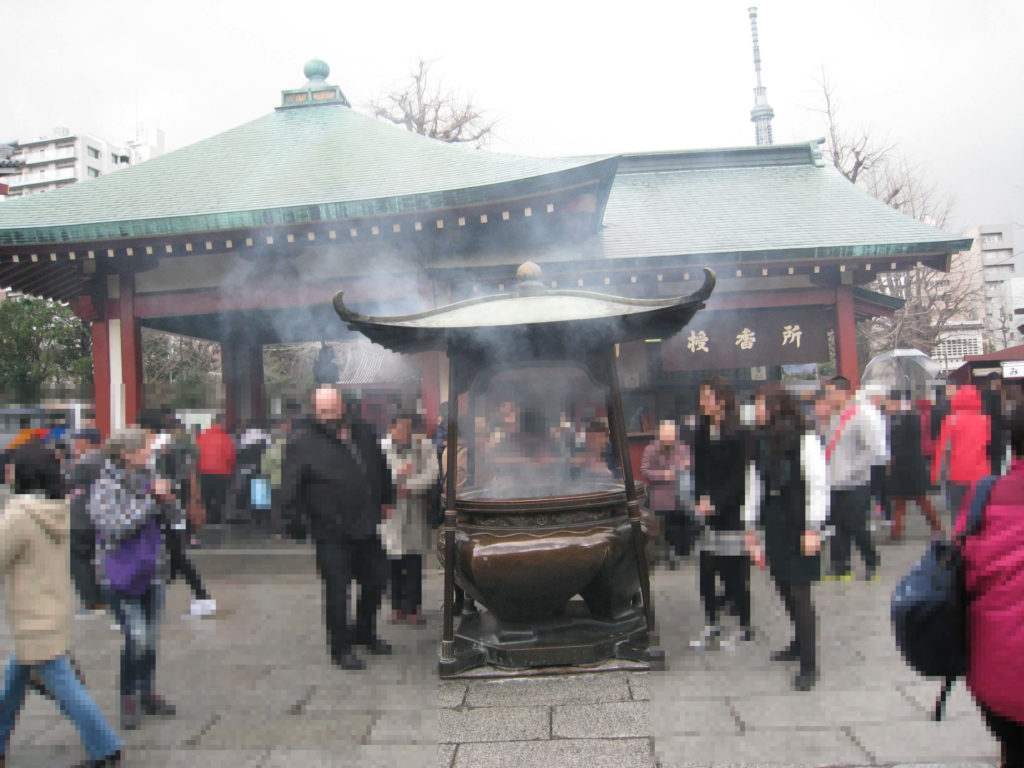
column 338, row 486
column 908, row 472
column 82, row 474
column 719, row 463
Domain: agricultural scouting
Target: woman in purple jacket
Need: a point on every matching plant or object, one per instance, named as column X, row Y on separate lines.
column 994, row 557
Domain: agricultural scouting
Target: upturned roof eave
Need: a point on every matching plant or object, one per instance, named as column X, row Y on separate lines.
column 593, row 169
column 625, row 319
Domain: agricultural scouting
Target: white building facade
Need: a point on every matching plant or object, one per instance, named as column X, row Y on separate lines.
column 51, row 162
column 1000, row 274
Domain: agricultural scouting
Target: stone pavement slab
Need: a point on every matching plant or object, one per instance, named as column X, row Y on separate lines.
column 405, row 727
column 692, row 717
column 762, row 749
column 824, row 708
column 588, row 753
column 958, row 739
column 628, row 719
column 578, row 689
column 354, row 757
column 494, row 724
column 256, row 731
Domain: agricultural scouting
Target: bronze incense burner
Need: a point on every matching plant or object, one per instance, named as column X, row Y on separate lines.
column 542, row 523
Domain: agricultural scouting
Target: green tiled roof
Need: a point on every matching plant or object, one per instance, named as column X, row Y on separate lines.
column 766, row 203
column 293, row 165
column 742, row 209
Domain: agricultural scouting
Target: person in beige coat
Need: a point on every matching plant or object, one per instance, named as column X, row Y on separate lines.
column 406, row 534
column 35, row 557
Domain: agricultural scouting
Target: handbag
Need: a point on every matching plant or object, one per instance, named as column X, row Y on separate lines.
column 130, row 568
column 929, row 606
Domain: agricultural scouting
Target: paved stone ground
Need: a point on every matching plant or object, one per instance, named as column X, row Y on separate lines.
column 255, row 690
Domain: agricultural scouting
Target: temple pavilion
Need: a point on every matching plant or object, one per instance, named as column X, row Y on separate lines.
column 244, row 238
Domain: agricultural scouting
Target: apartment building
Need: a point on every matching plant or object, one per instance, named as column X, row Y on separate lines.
column 51, row 162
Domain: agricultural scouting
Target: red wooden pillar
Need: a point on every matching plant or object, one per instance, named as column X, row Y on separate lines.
column 846, row 335
column 430, row 391
column 101, row 375
column 131, row 350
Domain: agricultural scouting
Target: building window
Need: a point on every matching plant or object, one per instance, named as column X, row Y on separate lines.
column 993, row 238
column 93, row 152
column 93, row 173
column 957, row 349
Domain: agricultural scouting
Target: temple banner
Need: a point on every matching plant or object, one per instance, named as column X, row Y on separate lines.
column 747, row 338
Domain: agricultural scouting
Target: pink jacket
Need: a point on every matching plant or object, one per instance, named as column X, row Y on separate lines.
column 661, row 471
column 995, row 581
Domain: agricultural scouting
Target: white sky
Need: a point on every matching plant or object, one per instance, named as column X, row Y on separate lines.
column 942, row 78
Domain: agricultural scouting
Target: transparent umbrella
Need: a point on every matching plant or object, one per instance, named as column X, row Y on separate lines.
column 909, row 370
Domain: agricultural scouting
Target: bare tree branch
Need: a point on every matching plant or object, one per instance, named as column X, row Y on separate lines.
column 423, row 105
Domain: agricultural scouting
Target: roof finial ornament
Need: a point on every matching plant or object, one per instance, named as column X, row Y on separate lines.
column 316, row 90
column 761, row 115
column 316, row 69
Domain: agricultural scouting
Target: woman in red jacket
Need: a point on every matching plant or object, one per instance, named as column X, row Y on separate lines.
column 965, row 435
column 994, row 558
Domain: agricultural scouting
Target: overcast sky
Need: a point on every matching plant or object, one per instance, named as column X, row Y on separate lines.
column 942, row 78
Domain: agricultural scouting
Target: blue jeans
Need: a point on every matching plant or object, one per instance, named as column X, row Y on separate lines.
column 139, row 618
column 74, row 701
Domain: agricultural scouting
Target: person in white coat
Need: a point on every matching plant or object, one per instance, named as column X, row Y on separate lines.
column 406, row 535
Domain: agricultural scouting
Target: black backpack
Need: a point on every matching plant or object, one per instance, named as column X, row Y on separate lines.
column 929, row 606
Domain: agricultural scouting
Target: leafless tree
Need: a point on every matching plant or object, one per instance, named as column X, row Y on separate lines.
column 168, row 358
column 935, row 301
column 424, row 105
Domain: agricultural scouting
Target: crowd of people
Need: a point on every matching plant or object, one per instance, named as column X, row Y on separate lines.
column 777, row 482
column 771, row 483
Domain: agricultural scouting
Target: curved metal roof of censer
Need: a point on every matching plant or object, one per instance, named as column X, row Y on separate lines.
column 531, row 321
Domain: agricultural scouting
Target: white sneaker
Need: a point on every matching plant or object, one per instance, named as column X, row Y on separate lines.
column 203, row 607
column 708, row 639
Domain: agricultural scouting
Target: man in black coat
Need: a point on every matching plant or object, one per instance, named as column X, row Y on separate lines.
column 335, row 474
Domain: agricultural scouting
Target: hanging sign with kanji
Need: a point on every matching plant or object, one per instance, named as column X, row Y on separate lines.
column 748, row 338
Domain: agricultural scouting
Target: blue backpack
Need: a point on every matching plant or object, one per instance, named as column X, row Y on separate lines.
column 929, row 606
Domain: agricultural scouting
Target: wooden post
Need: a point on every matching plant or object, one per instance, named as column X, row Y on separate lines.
column 846, row 336
column 257, row 410
column 448, row 630
column 621, row 447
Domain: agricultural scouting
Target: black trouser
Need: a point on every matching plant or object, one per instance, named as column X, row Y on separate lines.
column 406, row 583
column 849, row 515
column 214, row 491
column 83, row 572
column 680, row 530
column 181, row 565
column 880, row 489
column 339, row 561
column 734, row 571
column 1010, row 735
column 797, row 599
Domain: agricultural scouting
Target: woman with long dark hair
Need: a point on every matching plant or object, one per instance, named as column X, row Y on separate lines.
column 787, row 498
column 719, row 458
